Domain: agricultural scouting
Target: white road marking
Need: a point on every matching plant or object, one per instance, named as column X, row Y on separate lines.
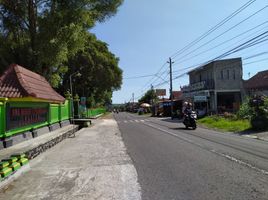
column 229, row 157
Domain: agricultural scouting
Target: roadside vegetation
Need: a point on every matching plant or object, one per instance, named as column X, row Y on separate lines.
column 253, row 114
column 225, row 124
column 54, row 39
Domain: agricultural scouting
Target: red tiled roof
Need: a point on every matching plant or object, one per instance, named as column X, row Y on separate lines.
column 259, row 81
column 20, row 82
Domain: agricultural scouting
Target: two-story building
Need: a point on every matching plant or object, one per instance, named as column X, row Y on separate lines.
column 215, row 87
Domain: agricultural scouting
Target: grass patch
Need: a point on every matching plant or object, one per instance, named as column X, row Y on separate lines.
column 225, row 124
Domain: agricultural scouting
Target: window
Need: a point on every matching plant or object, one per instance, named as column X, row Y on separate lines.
column 228, row 74
column 221, row 74
column 200, row 78
column 234, row 74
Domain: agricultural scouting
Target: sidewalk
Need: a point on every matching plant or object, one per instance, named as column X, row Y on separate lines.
column 92, row 165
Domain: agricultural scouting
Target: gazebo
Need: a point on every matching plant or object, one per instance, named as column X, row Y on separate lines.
column 29, row 106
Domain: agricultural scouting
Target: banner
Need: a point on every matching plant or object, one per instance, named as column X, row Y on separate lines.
column 160, row 92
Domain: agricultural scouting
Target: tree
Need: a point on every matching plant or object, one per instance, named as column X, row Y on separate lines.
column 259, row 118
column 44, row 34
column 149, row 97
column 100, row 72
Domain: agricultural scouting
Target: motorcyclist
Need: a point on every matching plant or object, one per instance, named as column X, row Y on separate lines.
column 188, row 108
column 189, row 120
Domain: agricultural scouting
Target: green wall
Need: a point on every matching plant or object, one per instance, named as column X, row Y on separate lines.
column 2, row 119
column 96, row 111
column 56, row 113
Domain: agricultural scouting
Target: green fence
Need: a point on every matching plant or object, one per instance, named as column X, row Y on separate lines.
column 95, row 112
column 17, row 117
column 2, row 119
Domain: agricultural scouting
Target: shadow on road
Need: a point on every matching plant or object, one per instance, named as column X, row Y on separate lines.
column 181, row 128
column 171, row 120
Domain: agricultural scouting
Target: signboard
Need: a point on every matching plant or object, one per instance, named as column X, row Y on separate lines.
column 17, row 116
column 194, row 87
column 160, row 92
column 83, row 106
column 83, row 101
column 200, row 98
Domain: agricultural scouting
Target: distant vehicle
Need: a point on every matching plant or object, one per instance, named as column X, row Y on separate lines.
column 190, row 120
column 116, row 111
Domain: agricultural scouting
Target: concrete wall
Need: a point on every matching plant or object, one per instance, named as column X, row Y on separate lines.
column 228, row 74
column 202, row 74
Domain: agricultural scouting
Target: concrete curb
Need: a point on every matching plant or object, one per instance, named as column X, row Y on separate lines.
column 35, row 146
column 8, row 180
column 32, row 153
column 97, row 116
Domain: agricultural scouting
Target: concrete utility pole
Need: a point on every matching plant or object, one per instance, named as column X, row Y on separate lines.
column 133, row 98
column 171, row 91
column 133, row 101
column 152, row 100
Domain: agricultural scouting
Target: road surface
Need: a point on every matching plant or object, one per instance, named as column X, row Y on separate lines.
column 175, row 163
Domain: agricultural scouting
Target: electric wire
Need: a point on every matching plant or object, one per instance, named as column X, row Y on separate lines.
column 231, row 28
column 243, row 7
column 226, row 41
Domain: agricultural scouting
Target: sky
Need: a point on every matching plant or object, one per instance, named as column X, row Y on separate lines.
column 144, row 34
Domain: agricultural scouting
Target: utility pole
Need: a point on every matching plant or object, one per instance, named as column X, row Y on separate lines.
column 133, row 102
column 171, row 91
column 133, row 98
column 152, row 101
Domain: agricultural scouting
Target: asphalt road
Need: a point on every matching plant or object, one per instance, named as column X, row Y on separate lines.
column 175, row 163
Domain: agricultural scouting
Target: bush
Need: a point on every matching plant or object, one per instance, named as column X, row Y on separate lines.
column 245, row 111
column 259, row 123
column 259, row 118
column 230, row 116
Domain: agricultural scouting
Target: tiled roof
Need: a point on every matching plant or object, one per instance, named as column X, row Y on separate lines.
column 20, row 82
column 259, row 81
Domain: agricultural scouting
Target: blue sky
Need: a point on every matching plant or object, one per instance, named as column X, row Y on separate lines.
column 145, row 33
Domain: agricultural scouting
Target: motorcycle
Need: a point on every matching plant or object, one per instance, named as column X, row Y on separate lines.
column 190, row 120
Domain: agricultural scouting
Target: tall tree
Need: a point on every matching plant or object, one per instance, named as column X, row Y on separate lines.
column 148, row 97
column 101, row 74
column 44, row 34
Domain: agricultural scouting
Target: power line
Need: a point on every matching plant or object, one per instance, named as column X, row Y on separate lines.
column 247, row 45
column 204, row 44
column 213, row 28
column 240, row 47
column 255, row 61
column 226, row 31
column 224, row 42
column 142, row 76
column 256, row 55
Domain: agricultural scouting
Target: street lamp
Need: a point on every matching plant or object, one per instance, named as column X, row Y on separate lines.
column 76, row 74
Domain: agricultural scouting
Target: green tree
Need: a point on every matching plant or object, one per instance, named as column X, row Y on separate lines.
column 100, row 72
column 245, row 111
column 44, row 34
column 149, row 97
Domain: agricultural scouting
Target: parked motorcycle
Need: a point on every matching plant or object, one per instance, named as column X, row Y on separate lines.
column 190, row 120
